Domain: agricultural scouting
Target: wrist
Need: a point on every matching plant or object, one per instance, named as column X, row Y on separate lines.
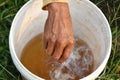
column 57, row 7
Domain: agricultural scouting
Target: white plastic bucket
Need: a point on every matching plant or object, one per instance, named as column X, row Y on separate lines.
column 89, row 24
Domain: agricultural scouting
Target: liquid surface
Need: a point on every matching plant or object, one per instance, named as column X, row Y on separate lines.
column 78, row 65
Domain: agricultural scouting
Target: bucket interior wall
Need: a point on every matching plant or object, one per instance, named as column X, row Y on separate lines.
column 87, row 22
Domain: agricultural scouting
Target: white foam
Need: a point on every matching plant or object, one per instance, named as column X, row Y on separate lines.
column 73, row 67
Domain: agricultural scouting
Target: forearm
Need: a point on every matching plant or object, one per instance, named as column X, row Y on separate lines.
column 46, row 2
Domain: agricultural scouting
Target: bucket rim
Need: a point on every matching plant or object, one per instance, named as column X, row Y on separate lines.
column 25, row 72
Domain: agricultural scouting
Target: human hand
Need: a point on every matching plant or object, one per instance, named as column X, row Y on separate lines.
column 58, row 35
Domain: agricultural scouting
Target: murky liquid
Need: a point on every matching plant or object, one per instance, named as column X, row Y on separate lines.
column 79, row 64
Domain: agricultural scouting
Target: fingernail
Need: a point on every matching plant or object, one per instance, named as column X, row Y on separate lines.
column 46, row 50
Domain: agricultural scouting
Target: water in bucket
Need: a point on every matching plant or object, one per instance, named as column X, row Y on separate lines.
column 79, row 64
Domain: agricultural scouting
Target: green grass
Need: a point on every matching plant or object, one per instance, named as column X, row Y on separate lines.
column 8, row 9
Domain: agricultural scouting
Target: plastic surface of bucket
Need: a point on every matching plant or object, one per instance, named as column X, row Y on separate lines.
column 89, row 24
